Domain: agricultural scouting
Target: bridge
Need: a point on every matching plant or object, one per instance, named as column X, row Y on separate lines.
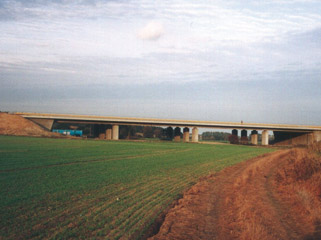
column 304, row 134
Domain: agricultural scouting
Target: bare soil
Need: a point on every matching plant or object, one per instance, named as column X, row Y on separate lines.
column 11, row 124
column 274, row 196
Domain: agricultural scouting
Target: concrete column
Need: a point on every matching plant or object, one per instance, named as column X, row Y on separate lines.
column 169, row 133
column 234, row 132
column 115, row 132
column 177, row 134
column 108, row 133
column 102, row 136
column 254, row 137
column 234, row 139
column 244, row 139
column 186, row 134
column 243, row 133
column 265, row 137
column 195, row 134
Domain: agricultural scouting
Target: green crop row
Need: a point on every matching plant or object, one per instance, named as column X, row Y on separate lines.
column 62, row 188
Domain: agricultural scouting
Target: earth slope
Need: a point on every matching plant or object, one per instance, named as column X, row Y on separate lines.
column 275, row 196
column 16, row 125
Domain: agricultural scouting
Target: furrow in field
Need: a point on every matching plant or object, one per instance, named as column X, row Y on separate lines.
column 138, row 191
column 105, row 208
column 156, row 184
column 84, row 222
column 120, row 193
column 131, row 225
column 76, row 210
column 144, row 222
column 134, row 200
column 130, row 218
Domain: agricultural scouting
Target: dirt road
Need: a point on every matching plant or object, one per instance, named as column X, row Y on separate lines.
column 252, row 200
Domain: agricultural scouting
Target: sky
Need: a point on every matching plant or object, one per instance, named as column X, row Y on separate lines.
column 237, row 60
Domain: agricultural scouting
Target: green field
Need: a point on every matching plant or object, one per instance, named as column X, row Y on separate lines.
column 60, row 188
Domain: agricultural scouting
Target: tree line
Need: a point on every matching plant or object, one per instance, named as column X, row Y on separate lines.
column 215, row 136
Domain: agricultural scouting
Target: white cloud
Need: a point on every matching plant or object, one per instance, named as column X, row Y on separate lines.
column 152, row 31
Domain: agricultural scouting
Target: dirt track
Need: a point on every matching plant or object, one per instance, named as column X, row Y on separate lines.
column 262, row 198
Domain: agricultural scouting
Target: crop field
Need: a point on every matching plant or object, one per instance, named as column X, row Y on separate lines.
column 62, row 188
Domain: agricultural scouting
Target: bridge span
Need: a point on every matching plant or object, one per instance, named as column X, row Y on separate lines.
column 310, row 133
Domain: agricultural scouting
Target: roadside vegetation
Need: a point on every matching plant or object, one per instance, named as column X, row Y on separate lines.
column 63, row 188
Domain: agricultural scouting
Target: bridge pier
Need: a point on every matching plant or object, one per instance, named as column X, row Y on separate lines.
column 108, row 133
column 254, row 137
column 244, row 139
column 265, row 137
column 195, row 134
column 115, row 132
column 186, row 134
column 177, row 134
column 234, row 139
column 234, row 132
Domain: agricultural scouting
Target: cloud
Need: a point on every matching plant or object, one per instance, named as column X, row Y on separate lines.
column 152, row 31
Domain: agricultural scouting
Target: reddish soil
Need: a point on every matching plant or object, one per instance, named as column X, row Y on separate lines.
column 275, row 196
column 16, row 125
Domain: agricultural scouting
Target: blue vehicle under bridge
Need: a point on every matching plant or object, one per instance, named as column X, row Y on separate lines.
column 76, row 133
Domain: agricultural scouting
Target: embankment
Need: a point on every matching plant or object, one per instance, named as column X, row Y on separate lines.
column 18, row 126
column 275, row 196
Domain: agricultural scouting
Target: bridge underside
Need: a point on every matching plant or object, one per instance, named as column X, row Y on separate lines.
column 296, row 138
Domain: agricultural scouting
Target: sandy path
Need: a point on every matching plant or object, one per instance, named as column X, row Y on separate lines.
column 240, row 202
